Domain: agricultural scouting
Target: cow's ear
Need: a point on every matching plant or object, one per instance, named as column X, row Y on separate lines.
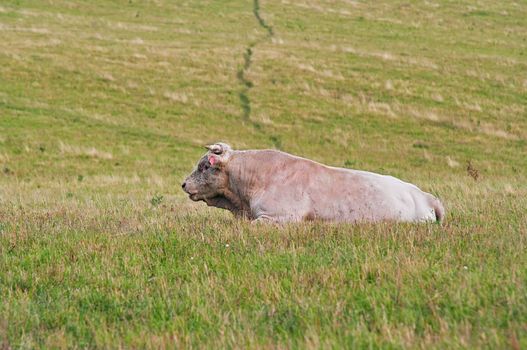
column 213, row 160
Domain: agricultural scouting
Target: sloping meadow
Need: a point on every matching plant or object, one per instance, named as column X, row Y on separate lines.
column 105, row 107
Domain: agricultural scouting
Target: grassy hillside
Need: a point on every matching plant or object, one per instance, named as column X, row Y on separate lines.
column 105, row 107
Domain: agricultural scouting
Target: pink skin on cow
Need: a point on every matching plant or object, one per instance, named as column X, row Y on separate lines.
column 269, row 185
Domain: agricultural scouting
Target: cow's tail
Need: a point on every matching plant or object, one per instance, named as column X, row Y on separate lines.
column 438, row 209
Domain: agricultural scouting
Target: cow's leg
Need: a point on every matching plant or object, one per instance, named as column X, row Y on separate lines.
column 276, row 220
column 265, row 219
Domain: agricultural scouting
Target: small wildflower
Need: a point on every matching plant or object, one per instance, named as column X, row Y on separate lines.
column 465, row 267
column 227, row 245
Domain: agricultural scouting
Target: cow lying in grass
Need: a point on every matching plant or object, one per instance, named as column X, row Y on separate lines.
column 269, row 185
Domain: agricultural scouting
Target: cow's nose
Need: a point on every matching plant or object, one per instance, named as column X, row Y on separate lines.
column 183, row 185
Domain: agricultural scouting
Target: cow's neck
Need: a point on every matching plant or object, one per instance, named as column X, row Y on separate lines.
column 238, row 206
column 241, row 186
column 223, row 202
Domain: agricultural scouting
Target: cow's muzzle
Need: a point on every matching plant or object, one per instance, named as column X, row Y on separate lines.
column 191, row 194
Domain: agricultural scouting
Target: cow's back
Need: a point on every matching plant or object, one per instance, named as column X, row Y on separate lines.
column 290, row 188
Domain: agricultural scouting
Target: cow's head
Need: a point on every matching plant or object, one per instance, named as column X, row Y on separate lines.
column 209, row 178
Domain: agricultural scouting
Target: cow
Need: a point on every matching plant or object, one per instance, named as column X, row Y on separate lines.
column 274, row 186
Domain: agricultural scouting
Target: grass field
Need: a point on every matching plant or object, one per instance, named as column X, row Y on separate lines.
column 105, row 107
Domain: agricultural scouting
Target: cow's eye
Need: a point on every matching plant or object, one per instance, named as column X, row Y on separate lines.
column 206, row 167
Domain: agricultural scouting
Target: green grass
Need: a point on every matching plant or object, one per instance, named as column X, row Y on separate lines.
column 105, row 107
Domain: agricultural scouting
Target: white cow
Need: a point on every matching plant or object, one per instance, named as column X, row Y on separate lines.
column 269, row 185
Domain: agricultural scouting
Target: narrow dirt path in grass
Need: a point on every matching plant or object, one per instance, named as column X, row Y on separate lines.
column 245, row 100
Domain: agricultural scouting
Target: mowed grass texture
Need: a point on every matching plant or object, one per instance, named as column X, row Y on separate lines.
column 105, row 107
